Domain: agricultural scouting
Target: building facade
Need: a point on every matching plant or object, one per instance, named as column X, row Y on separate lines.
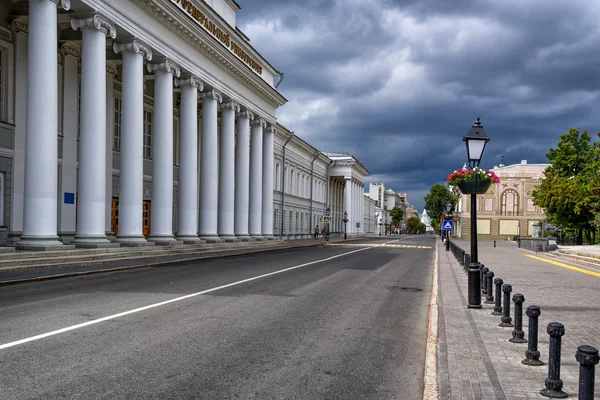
column 163, row 131
column 377, row 192
column 507, row 208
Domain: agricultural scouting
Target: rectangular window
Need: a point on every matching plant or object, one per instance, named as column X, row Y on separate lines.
column 290, row 221
column 275, row 224
column 117, row 125
column 147, row 134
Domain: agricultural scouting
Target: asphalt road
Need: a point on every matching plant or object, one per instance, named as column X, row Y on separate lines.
column 339, row 322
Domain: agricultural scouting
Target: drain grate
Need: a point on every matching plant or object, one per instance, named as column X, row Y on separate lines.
column 406, row 289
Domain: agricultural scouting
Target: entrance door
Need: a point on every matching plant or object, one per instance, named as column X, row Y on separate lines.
column 146, row 218
column 114, row 216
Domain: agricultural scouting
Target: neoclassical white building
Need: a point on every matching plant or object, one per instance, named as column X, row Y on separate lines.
column 139, row 122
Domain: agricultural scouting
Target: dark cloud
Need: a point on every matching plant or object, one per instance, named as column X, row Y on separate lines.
column 398, row 83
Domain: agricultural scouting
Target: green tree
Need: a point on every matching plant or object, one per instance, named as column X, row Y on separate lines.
column 422, row 227
column 568, row 193
column 435, row 203
column 412, row 224
column 396, row 214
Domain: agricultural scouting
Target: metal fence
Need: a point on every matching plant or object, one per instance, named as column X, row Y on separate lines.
column 462, row 256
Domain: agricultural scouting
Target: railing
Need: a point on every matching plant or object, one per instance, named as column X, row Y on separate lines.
column 462, row 256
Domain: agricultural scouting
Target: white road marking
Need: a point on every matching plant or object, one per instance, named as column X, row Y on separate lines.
column 163, row 303
column 431, row 388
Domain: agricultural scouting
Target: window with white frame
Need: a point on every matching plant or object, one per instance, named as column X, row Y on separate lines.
column 117, row 125
column 147, row 134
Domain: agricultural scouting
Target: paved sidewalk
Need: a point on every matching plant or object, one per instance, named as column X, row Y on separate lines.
column 476, row 359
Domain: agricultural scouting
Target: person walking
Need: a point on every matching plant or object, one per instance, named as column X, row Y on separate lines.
column 316, row 234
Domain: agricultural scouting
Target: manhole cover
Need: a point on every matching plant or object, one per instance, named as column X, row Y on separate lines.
column 406, row 289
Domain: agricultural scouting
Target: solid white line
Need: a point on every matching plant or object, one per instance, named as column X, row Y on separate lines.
column 163, row 303
column 431, row 389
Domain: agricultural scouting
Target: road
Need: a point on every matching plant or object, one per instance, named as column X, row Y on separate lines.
column 329, row 322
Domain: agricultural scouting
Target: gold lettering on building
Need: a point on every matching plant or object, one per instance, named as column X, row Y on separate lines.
column 197, row 15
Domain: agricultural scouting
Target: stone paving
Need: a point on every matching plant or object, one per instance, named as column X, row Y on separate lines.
column 476, row 359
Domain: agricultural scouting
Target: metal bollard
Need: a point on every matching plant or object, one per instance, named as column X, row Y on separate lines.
column 506, row 319
column 489, row 299
column 448, row 244
column 484, row 272
column 518, row 334
column 532, row 355
column 494, row 243
column 553, row 383
column 587, row 357
column 481, row 276
column 498, row 307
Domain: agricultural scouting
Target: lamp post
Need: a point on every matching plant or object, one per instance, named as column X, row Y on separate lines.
column 448, row 211
column 380, row 222
column 375, row 220
column 475, row 141
column 328, row 213
column 542, row 227
column 345, row 222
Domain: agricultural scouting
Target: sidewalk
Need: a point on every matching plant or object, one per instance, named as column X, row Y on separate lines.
column 15, row 274
column 476, row 360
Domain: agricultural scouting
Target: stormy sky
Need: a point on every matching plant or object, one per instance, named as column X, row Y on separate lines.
column 398, row 83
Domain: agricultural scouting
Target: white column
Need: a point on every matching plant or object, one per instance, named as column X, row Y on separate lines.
column 161, row 212
column 242, row 175
column 111, row 71
column 267, row 183
column 209, row 168
column 131, row 180
column 348, row 203
column 255, row 220
column 92, row 140
column 361, row 191
column 227, row 181
column 187, row 208
column 41, row 145
column 20, row 28
column 68, row 171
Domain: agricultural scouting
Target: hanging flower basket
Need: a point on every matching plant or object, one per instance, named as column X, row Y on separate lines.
column 473, row 181
column 475, row 186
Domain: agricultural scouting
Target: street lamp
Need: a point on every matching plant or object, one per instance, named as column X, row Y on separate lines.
column 380, row 222
column 448, row 210
column 475, row 141
column 345, row 222
column 375, row 219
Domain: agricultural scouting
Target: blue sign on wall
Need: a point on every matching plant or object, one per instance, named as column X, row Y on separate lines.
column 69, row 198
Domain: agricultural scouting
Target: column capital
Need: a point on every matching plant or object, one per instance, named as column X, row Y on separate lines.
column 245, row 114
column 70, row 49
column 271, row 128
column 167, row 66
column 212, row 94
column 231, row 105
column 135, row 46
column 64, row 4
column 111, row 68
column 192, row 81
column 259, row 121
column 347, row 178
column 96, row 21
column 20, row 25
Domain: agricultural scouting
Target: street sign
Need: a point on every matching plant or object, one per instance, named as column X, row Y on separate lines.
column 447, row 225
column 326, row 219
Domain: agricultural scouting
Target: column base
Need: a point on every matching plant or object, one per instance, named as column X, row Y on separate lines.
column 189, row 239
column 110, row 235
column 167, row 240
column 211, row 239
column 271, row 237
column 245, row 238
column 229, row 239
column 93, row 242
column 13, row 238
column 258, row 238
column 41, row 243
column 133, row 241
column 66, row 237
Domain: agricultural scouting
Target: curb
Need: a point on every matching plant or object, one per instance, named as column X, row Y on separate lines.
column 153, row 265
column 431, row 389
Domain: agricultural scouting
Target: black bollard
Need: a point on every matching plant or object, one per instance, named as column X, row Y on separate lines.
column 494, row 243
column 532, row 355
column 484, row 272
column 489, row 299
column 587, row 357
column 506, row 319
column 498, row 307
column 553, row 383
column 518, row 334
column 481, row 276
column 448, row 244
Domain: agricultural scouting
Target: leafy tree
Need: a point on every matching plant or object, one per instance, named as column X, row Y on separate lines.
column 569, row 192
column 412, row 224
column 422, row 227
column 435, row 203
column 397, row 215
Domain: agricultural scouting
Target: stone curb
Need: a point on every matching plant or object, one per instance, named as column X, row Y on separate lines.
column 431, row 387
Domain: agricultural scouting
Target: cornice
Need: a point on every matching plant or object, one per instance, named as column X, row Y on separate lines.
column 201, row 40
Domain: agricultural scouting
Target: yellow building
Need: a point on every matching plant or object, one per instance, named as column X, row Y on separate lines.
column 507, row 208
